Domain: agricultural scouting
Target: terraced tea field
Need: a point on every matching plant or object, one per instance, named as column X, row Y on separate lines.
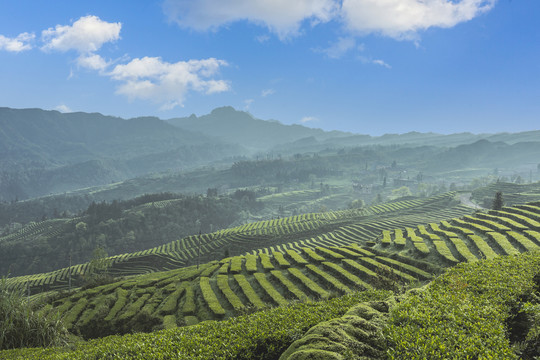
column 357, row 253
column 232, row 286
column 47, row 228
column 304, row 272
column 313, row 230
column 510, row 231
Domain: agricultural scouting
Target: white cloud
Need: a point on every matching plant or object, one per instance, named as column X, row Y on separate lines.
column 92, row 61
column 86, row 35
column 16, row 44
column 262, row 38
column 368, row 60
column 63, row 108
column 341, row 47
column 381, row 63
column 267, row 92
column 247, row 103
column 402, row 19
column 151, row 78
column 147, row 78
column 307, row 119
column 399, row 19
column 282, row 17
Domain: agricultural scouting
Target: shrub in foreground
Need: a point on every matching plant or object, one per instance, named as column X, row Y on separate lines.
column 22, row 327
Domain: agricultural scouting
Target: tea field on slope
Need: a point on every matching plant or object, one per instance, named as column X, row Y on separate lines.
column 337, row 228
column 400, row 250
column 234, row 285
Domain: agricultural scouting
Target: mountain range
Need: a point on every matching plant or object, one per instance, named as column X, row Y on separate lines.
column 43, row 152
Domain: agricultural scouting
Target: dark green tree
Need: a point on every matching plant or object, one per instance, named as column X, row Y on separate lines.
column 97, row 269
column 498, row 202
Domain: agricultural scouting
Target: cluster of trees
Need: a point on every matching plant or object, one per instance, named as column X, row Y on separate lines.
column 59, row 206
column 122, row 227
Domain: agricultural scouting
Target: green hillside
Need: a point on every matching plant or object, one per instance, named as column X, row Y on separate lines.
column 275, row 276
column 261, row 267
column 409, row 254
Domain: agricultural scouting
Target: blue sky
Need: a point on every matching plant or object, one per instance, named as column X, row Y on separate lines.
column 365, row 66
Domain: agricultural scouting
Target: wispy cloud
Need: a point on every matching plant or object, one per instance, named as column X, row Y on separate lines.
column 247, row 103
column 307, row 119
column 381, row 63
column 63, row 108
column 262, row 38
column 341, row 47
column 369, row 60
column 267, row 92
column 19, row 43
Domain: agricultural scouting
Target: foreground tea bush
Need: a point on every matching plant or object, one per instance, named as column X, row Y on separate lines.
column 262, row 335
column 463, row 314
column 22, row 327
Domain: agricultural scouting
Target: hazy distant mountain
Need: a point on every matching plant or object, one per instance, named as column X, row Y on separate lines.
column 410, row 138
column 44, row 152
column 486, row 154
column 48, row 151
column 56, row 138
column 242, row 128
column 512, row 138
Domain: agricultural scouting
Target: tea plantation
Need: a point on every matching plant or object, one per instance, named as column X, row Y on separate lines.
column 342, row 274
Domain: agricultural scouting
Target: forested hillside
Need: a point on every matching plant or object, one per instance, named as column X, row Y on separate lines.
column 117, row 227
